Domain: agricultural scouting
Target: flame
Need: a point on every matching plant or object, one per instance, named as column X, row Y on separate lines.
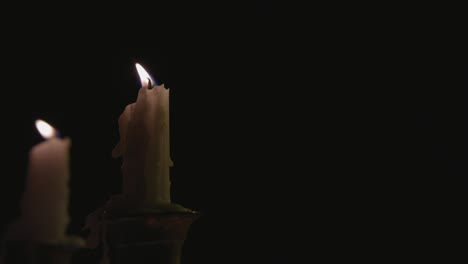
column 144, row 76
column 46, row 130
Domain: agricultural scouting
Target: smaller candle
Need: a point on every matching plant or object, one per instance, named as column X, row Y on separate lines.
column 44, row 205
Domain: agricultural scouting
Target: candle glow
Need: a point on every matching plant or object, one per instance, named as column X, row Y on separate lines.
column 46, row 130
column 144, row 76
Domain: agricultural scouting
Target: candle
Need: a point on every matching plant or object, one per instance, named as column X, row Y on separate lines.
column 144, row 145
column 44, row 205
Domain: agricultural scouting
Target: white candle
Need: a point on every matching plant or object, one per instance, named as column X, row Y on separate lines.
column 44, row 205
column 144, row 145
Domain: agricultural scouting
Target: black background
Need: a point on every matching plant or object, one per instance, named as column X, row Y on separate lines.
column 290, row 137
column 231, row 119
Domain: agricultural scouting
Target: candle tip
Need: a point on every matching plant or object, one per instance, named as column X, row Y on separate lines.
column 145, row 78
column 46, row 130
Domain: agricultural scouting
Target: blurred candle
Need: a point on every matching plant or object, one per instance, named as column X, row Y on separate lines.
column 144, row 145
column 44, row 206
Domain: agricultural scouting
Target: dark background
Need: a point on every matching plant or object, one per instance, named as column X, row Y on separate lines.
column 291, row 137
column 231, row 113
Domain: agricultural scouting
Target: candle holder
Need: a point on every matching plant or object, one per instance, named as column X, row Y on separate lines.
column 31, row 252
column 143, row 235
column 147, row 237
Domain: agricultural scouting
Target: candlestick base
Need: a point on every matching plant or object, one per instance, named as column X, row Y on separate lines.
column 128, row 233
column 31, row 252
column 146, row 237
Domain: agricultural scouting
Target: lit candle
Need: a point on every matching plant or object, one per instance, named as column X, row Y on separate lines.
column 44, row 205
column 144, row 145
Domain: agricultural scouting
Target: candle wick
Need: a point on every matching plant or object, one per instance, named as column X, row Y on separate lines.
column 149, row 83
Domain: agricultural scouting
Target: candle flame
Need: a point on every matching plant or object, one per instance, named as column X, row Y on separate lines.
column 46, row 130
column 144, row 76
